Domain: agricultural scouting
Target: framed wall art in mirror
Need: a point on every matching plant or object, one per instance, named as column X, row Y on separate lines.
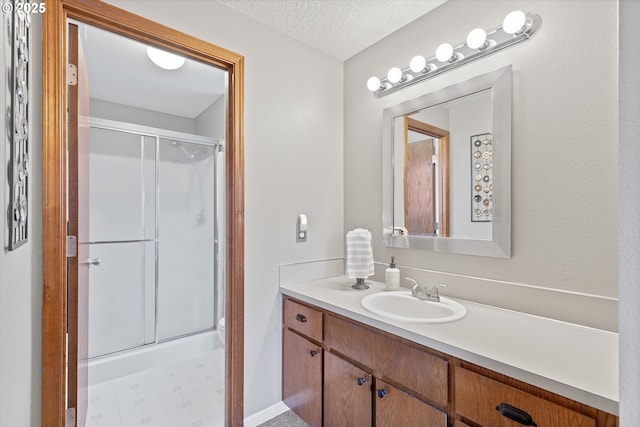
column 442, row 191
column 481, row 183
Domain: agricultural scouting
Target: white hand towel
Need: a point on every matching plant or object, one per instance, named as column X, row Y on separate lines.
column 359, row 254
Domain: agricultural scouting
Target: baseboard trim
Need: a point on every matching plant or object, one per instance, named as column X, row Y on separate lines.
column 265, row 415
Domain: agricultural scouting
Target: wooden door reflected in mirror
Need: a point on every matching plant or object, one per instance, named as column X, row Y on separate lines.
column 426, row 178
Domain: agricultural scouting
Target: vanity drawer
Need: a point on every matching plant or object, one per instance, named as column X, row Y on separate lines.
column 476, row 398
column 389, row 359
column 303, row 319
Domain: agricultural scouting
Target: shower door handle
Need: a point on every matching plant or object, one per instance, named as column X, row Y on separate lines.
column 94, row 261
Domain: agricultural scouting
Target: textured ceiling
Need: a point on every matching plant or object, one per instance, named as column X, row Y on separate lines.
column 340, row 28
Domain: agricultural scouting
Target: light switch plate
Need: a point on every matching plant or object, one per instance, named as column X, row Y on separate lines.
column 301, row 228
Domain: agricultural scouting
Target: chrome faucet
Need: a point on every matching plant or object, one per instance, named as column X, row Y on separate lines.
column 421, row 293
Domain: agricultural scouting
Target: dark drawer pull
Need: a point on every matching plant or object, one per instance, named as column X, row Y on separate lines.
column 361, row 380
column 382, row 393
column 313, row 353
column 301, row 318
column 515, row 414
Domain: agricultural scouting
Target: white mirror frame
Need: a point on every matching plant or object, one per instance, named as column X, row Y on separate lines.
column 500, row 244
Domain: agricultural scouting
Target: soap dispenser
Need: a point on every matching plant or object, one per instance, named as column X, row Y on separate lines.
column 392, row 277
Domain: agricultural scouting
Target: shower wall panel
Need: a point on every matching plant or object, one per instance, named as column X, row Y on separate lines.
column 186, row 264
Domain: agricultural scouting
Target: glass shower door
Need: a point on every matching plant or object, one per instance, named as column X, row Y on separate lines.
column 122, row 240
column 153, row 229
column 187, row 238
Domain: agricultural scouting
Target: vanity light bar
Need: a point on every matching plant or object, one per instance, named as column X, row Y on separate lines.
column 516, row 27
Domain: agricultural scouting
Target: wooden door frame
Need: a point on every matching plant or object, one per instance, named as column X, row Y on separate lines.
column 443, row 169
column 54, row 181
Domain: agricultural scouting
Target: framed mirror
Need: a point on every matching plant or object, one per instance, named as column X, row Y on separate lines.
column 447, row 169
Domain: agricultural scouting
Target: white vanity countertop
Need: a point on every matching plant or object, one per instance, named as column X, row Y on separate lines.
column 574, row 361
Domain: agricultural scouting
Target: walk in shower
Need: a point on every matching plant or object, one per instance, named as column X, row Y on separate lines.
column 156, row 290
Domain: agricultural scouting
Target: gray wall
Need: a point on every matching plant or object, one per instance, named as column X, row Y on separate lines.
column 212, row 121
column 629, row 235
column 140, row 116
column 21, row 270
column 564, row 155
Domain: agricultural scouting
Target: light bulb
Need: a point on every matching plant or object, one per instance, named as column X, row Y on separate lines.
column 477, row 38
column 514, row 22
column 373, row 84
column 418, row 64
column 394, row 75
column 164, row 59
column 444, row 52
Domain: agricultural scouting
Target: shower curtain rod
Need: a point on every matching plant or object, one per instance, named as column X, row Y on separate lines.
column 105, row 124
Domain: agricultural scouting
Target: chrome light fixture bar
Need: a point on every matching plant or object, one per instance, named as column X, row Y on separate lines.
column 516, row 27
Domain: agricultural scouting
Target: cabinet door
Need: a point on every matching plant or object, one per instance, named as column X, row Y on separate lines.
column 395, row 408
column 347, row 393
column 302, row 377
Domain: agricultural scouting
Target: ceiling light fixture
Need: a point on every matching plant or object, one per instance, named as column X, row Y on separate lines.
column 164, row 59
column 516, row 27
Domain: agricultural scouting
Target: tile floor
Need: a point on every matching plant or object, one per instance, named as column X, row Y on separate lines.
column 186, row 393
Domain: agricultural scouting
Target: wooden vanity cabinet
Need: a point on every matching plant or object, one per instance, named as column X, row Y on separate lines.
column 420, row 372
column 354, row 398
column 302, row 362
column 339, row 372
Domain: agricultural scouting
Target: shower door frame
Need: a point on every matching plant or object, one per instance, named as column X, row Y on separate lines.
column 54, row 192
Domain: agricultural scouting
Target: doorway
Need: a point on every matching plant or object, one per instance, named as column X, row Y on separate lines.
column 155, row 341
column 111, row 19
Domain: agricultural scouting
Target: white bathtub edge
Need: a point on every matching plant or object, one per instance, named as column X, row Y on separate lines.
column 128, row 362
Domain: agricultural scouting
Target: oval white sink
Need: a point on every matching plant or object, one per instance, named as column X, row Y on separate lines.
column 401, row 306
